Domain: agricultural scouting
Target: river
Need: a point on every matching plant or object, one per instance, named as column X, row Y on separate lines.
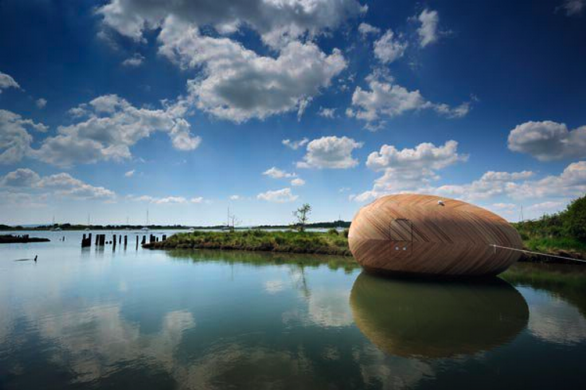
column 129, row 318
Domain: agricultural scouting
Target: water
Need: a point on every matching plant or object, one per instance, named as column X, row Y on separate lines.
column 203, row 320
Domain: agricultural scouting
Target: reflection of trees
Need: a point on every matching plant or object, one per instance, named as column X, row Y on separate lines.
column 567, row 282
column 558, row 307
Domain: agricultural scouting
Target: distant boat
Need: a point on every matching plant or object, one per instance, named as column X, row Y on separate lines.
column 57, row 229
column 145, row 229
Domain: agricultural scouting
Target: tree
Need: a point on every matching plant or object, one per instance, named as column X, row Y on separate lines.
column 302, row 215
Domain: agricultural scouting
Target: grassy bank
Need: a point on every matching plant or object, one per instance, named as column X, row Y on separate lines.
column 258, row 240
column 541, row 236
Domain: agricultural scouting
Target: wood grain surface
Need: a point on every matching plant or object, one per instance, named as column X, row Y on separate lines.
column 418, row 234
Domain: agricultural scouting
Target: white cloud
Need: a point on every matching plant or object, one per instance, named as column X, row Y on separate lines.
column 6, row 81
column 386, row 99
column 277, row 173
column 22, row 177
column 389, row 48
column 15, row 140
column 295, row 144
column 408, row 169
column 41, row 103
column 58, row 185
column 428, row 33
column 235, row 197
column 574, row 7
column 279, row 196
column 66, row 185
column 327, row 112
column 110, row 127
column 167, row 200
column 548, row 140
column 130, row 173
column 330, row 152
column 135, row 61
column 366, row 29
column 298, row 182
column 237, row 84
column 277, row 22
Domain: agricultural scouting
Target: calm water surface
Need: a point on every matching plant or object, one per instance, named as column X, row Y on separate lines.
column 130, row 319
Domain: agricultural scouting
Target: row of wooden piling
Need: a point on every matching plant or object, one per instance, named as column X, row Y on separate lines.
column 101, row 240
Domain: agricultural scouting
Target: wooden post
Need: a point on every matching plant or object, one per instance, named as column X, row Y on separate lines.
column 164, row 237
column 136, row 242
column 125, row 241
column 143, row 240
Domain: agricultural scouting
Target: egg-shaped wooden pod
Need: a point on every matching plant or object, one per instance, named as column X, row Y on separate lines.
column 428, row 235
column 434, row 319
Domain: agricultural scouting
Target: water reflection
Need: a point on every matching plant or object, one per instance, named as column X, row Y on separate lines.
column 436, row 319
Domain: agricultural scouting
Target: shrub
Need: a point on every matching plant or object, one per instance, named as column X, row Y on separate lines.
column 575, row 219
column 333, row 231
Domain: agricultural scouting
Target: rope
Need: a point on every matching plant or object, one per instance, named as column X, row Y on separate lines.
column 538, row 253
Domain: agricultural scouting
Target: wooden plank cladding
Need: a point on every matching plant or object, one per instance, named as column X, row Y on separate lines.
column 430, row 235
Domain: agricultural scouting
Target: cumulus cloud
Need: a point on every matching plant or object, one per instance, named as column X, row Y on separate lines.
column 135, row 61
column 15, row 140
column 297, row 182
column 22, row 177
column 295, row 144
column 237, row 84
column 41, row 103
column 548, row 140
column 389, row 48
column 408, row 169
column 109, row 128
column 277, row 173
column 66, row 185
column 366, row 29
column 278, row 196
column 427, row 31
column 385, row 99
column 330, row 153
column 277, row 22
column 6, row 81
column 130, row 173
column 61, row 185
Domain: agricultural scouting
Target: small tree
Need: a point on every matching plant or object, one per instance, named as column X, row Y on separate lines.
column 302, row 215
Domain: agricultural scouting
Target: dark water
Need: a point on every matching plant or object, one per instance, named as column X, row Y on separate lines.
column 130, row 319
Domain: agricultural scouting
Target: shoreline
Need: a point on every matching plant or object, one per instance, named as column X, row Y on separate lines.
column 315, row 243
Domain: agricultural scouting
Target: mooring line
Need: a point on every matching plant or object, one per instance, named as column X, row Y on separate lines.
column 537, row 253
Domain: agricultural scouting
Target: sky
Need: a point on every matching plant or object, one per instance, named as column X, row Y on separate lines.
column 111, row 108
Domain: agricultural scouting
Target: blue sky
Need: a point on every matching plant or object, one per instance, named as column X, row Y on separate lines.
column 113, row 107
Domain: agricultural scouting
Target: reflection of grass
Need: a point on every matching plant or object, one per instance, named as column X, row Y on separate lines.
column 260, row 259
column 568, row 282
column 258, row 240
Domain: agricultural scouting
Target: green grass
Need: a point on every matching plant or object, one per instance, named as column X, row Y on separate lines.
column 554, row 244
column 258, row 240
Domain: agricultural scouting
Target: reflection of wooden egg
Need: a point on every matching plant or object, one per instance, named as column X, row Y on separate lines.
column 429, row 235
column 433, row 319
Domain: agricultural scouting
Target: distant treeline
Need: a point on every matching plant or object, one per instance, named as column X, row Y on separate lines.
column 69, row 226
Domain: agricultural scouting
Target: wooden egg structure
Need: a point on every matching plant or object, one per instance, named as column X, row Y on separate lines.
column 428, row 235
